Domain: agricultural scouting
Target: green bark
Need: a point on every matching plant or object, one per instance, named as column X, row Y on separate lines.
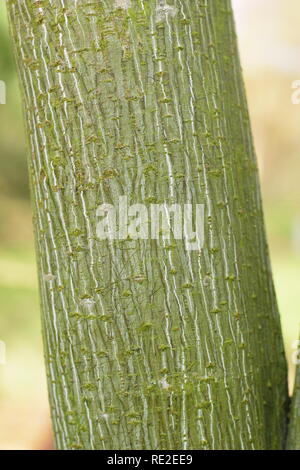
column 148, row 345
column 293, row 440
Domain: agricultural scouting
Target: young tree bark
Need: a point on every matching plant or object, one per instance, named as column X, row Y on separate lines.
column 148, row 345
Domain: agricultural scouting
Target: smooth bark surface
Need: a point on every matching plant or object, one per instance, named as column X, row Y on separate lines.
column 148, row 345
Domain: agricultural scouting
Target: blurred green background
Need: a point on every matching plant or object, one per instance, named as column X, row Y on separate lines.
column 270, row 50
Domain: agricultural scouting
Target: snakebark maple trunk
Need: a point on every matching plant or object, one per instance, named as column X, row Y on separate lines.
column 148, row 345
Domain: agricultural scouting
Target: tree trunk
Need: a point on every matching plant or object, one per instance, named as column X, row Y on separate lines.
column 148, row 345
